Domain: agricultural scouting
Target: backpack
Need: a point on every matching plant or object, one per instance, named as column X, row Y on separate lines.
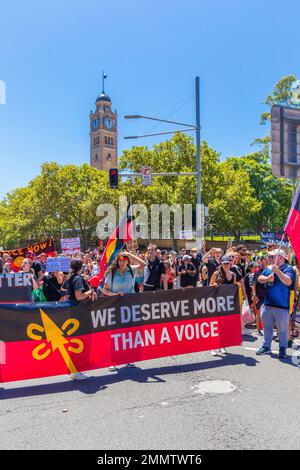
column 70, row 286
column 47, row 284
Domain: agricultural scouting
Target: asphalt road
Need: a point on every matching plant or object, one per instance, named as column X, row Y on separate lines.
column 162, row 404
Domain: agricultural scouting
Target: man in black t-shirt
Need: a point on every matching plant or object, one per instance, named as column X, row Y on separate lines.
column 187, row 272
column 155, row 271
column 241, row 249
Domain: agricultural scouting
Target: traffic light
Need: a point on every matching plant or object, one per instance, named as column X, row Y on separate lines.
column 113, row 178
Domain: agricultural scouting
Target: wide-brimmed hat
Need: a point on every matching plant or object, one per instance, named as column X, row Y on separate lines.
column 278, row 252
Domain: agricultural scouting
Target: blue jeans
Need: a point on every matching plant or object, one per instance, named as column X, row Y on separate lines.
column 270, row 316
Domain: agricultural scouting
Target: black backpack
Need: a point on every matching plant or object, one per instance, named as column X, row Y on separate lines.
column 49, row 286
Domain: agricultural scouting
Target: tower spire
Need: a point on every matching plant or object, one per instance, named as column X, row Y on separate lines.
column 104, row 76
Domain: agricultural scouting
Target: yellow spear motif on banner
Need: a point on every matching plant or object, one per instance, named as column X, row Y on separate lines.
column 55, row 337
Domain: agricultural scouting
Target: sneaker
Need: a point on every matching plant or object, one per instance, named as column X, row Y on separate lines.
column 290, row 343
column 213, row 352
column 223, row 350
column 78, row 376
column 260, row 332
column 282, row 353
column 263, row 350
column 112, row 368
column 131, row 365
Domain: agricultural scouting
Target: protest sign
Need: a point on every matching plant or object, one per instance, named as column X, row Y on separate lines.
column 58, row 264
column 70, row 245
column 274, row 238
column 47, row 341
column 19, row 254
column 15, row 287
column 185, row 234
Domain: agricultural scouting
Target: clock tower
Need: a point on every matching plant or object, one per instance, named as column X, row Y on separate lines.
column 103, row 134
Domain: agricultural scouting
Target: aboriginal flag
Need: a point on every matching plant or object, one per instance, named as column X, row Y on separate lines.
column 116, row 242
column 292, row 226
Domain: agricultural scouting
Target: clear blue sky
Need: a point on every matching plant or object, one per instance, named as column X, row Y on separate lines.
column 52, row 54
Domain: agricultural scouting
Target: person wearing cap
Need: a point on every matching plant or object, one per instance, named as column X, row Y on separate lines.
column 187, row 272
column 279, row 279
column 222, row 276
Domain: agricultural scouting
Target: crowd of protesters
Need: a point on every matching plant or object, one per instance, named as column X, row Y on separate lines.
column 152, row 269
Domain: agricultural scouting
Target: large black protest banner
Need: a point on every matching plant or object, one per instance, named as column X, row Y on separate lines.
column 19, row 254
column 47, row 341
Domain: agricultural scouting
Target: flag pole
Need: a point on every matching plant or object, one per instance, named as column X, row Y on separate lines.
column 133, row 240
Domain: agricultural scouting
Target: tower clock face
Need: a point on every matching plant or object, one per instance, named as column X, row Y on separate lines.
column 109, row 123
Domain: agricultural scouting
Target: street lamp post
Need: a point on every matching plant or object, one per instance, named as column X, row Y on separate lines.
column 199, row 215
column 198, row 207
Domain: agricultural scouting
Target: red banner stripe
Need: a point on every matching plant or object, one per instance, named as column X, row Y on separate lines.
column 107, row 348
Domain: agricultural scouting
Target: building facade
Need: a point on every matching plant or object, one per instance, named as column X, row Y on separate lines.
column 103, row 135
